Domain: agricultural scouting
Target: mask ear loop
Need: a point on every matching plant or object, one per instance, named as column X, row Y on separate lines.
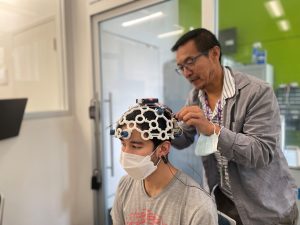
column 221, row 127
column 164, row 158
column 159, row 159
column 214, row 127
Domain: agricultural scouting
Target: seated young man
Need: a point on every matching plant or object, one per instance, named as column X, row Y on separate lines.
column 154, row 191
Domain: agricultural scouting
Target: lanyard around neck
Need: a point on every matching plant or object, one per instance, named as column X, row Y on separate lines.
column 219, row 109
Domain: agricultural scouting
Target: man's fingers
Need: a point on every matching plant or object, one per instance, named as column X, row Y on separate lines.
column 186, row 110
column 191, row 115
column 192, row 122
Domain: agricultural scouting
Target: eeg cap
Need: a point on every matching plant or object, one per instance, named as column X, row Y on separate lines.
column 151, row 119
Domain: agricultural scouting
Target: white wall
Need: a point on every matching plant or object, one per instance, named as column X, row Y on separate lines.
column 45, row 171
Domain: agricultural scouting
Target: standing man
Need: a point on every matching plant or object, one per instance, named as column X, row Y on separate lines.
column 238, row 120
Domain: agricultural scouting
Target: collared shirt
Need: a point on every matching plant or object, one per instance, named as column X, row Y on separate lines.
column 216, row 117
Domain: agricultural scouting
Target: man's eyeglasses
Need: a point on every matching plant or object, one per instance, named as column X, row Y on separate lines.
column 188, row 64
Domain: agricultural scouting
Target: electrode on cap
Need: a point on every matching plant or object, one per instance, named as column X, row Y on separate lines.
column 146, row 101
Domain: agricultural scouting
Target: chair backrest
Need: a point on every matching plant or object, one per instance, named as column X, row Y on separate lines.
column 1, row 208
column 223, row 219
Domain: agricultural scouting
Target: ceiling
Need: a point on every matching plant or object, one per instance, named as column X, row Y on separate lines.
column 147, row 32
column 247, row 16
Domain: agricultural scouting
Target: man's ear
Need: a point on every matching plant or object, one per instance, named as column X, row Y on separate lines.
column 164, row 148
column 215, row 53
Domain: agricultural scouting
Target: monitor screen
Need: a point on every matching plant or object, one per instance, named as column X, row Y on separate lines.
column 11, row 116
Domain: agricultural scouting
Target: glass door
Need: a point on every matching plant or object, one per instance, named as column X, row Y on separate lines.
column 131, row 48
column 132, row 59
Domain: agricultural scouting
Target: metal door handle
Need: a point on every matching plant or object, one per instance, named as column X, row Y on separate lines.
column 111, row 167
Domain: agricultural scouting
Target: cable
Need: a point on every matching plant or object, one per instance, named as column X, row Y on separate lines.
column 192, row 186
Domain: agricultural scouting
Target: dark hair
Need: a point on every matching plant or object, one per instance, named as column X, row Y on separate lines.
column 203, row 39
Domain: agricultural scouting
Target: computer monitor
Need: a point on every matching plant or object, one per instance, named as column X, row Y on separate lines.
column 11, row 116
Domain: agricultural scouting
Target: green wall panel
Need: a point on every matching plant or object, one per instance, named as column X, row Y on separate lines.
column 253, row 23
column 189, row 13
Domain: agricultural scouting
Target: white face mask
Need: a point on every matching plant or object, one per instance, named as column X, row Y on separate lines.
column 138, row 167
column 207, row 145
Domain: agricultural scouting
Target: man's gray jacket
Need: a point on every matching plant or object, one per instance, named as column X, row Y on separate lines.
column 262, row 187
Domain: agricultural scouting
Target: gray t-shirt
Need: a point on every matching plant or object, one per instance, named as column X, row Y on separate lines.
column 176, row 204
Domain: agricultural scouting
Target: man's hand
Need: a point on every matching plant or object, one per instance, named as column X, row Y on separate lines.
column 194, row 116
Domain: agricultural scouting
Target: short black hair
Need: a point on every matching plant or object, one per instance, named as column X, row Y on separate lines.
column 203, row 38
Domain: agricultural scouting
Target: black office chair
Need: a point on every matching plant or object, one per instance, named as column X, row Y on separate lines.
column 224, row 219
column 1, row 208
